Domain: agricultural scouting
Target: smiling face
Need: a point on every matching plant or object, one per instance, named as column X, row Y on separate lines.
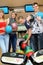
column 21, row 20
column 36, row 7
column 13, row 15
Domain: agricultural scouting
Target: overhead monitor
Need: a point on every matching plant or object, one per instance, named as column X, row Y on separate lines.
column 28, row 8
column 5, row 9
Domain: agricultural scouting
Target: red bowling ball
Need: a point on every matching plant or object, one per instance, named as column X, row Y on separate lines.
column 23, row 45
column 29, row 54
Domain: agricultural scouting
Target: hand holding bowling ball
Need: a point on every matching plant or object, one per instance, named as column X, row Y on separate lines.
column 14, row 26
column 22, row 45
column 25, row 42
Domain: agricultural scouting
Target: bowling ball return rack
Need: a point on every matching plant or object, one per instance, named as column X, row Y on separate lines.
column 37, row 58
column 13, row 58
column 21, row 59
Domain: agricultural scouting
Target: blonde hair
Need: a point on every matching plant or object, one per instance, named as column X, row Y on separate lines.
column 1, row 11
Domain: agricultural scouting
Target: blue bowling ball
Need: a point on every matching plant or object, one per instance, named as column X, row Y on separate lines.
column 8, row 29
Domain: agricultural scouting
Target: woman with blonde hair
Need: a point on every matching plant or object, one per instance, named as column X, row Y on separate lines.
column 4, row 37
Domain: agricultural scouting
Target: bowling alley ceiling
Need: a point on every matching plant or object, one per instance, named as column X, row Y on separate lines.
column 15, row 3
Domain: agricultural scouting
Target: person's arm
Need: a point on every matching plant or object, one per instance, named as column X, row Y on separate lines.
column 7, row 21
column 28, row 18
column 38, row 18
column 29, row 35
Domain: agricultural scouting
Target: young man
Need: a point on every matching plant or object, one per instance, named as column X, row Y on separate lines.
column 26, row 23
column 36, row 39
column 36, row 10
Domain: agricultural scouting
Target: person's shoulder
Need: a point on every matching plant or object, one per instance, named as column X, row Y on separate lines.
column 7, row 20
column 40, row 12
column 4, row 20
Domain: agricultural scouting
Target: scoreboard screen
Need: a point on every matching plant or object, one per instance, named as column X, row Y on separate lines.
column 5, row 9
column 28, row 8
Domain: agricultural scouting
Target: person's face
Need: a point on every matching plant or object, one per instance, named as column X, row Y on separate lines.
column 1, row 14
column 21, row 21
column 13, row 15
column 36, row 7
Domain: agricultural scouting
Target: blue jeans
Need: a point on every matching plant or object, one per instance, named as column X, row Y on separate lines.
column 13, row 42
column 36, row 41
column 41, row 41
column 4, row 42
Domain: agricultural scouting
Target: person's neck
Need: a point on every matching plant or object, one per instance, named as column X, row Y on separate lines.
column 1, row 19
column 36, row 11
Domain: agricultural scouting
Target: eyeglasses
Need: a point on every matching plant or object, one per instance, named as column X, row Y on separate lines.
column 34, row 6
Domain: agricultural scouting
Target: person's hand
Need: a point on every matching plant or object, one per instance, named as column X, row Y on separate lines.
column 38, row 18
column 28, row 18
column 25, row 41
column 15, row 29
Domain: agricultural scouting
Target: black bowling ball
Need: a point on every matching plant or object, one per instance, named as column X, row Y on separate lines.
column 32, row 18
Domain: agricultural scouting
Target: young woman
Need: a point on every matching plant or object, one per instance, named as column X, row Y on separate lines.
column 13, row 36
column 4, row 38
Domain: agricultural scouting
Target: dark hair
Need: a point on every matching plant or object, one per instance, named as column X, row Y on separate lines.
column 35, row 3
column 20, row 17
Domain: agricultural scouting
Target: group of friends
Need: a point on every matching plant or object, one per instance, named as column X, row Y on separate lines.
column 34, row 30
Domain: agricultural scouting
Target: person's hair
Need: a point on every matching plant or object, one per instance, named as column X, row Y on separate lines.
column 14, row 12
column 20, row 17
column 35, row 3
column 1, row 11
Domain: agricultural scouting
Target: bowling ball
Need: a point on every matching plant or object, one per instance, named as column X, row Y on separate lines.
column 29, row 54
column 19, row 51
column 21, row 42
column 27, row 49
column 14, row 25
column 32, row 18
column 23, row 45
column 26, row 36
column 8, row 29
